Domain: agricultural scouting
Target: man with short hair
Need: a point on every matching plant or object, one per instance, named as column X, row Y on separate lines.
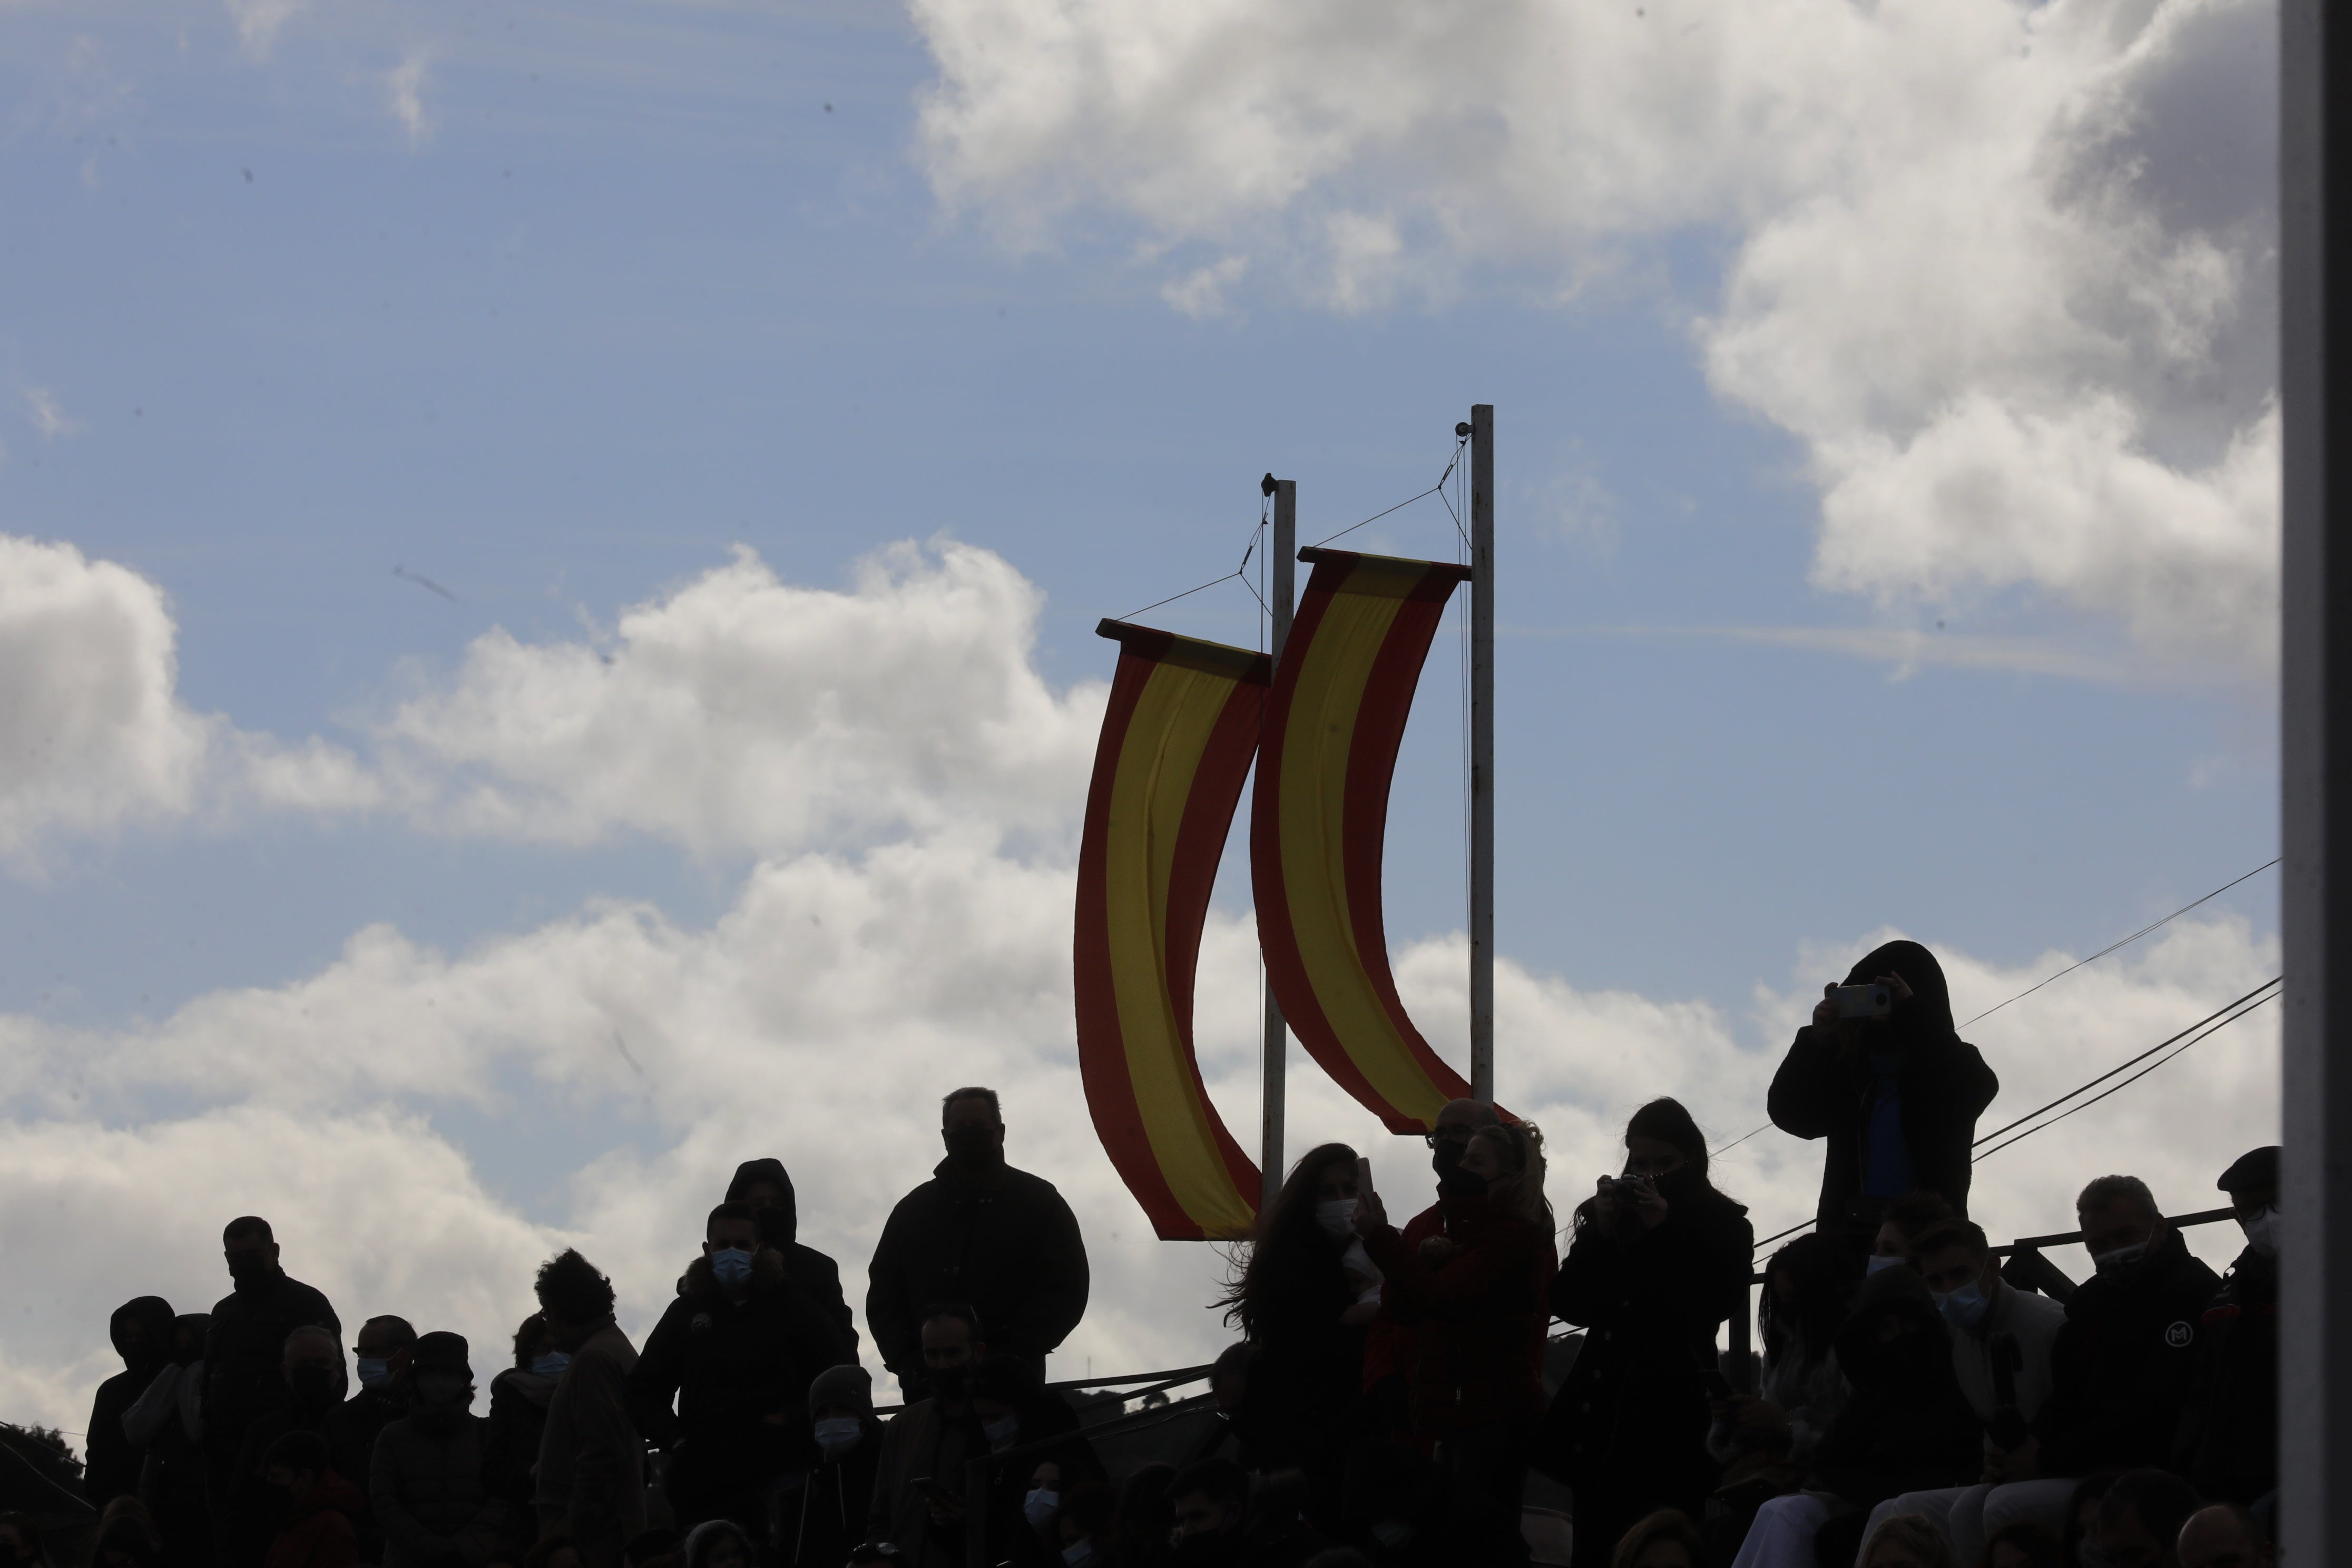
column 2002, row 1339
column 245, row 1347
column 1210, row 1499
column 2223, row 1535
column 313, row 1370
column 2228, row 1446
column 2140, row 1519
column 592, row 1475
column 736, row 1350
column 979, row 1232
column 2121, row 1368
column 380, row 1356
column 918, row 1484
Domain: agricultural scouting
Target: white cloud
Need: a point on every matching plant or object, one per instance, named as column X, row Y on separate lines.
column 405, row 93
column 1201, row 291
column 48, row 418
column 2005, row 270
column 259, row 21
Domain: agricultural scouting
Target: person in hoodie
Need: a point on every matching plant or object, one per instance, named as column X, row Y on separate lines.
column 519, row 1397
column 1896, row 1096
column 428, row 1482
column 737, row 1351
column 2003, row 1341
column 827, row 1516
column 1905, row 1427
column 140, row 1331
column 764, row 1184
column 1477, row 1384
column 313, row 1371
column 982, row 1233
column 2121, row 1370
column 1306, row 1294
column 380, row 1358
column 590, row 1482
column 316, row 1505
column 2228, row 1446
column 166, row 1424
column 1660, row 1260
column 244, row 1345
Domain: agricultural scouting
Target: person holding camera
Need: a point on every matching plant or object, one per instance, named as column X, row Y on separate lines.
column 1660, row 1259
column 1883, row 1075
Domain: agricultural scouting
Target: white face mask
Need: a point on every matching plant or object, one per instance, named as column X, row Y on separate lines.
column 1079, row 1553
column 2122, row 1258
column 2261, row 1230
column 837, row 1434
column 1039, row 1509
column 1879, row 1260
column 1337, row 1218
column 1002, row 1431
column 1964, row 1307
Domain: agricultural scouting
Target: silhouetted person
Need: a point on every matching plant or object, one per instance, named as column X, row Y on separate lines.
column 426, row 1482
column 140, row 1331
column 2228, row 1446
column 313, row 1368
column 592, row 1474
column 316, row 1505
column 825, row 1516
column 736, row 1350
column 166, row 1424
column 765, row 1185
column 1897, row 1094
column 1660, row 1259
column 2224, row 1535
column 919, row 1502
column 518, row 1399
column 126, row 1537
column 979, row 1232
column 380, row 1364
column 2141, row 1517
column 1015, row 1410
column 245, row 1347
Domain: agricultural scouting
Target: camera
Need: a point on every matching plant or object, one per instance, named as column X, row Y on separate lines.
column 1863, row 1001
column 1626, row 1189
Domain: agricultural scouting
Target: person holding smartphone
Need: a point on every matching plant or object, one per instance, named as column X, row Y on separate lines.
column 1883, row 1075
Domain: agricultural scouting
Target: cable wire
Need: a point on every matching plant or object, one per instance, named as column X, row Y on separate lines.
column 1434, row 490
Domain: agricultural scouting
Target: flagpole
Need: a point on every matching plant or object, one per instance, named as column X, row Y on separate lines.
column 1482, row 751
column 1277, row 1039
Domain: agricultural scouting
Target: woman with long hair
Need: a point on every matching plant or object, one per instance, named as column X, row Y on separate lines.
column 1660, row 1259
column 1476, row 1378
column 1303, row 1296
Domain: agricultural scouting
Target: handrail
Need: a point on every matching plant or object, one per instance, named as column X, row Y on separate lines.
column 2203, row 1216
column 976, row 1469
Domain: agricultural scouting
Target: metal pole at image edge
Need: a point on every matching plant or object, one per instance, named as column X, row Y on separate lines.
column 2316, row 776
column 1481, row 751
column 1277, row 1039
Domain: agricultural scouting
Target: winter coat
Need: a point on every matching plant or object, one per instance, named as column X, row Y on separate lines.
column 2228, row 1446
column 430, row 1494
column 166, row 1421
column 817, row 1276
column 1482, row 1359
column 110, row 1462
column 518, row 1400
column 922, row 1444
column 730, row 1365
column 317, row 1532
column 999, row 1239
column 2121, row 1370
column 591, row 1465
column 244, row 1355
column 1907, row 1426
column 827, row 1516
column 1822, row 1090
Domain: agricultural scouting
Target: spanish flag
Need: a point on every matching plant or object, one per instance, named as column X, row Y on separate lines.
column 1319, row 818
column 1175, row 748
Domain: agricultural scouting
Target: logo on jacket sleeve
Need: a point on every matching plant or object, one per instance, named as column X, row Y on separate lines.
column 2178, row 1335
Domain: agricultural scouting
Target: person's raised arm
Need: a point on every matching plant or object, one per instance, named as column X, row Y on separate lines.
column 1809, row 1097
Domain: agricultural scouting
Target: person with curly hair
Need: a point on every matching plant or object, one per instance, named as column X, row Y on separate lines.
column 591, row 1477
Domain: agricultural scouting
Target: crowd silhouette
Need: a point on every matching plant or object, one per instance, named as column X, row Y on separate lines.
column 1398, row 1392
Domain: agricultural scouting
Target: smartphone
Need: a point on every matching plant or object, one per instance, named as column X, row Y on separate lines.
column 1363, row 1178
column 1863, row 1001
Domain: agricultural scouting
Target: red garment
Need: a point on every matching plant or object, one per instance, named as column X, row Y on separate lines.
column 1472, row 1329
column 1390, row 1345
column 318, row 1533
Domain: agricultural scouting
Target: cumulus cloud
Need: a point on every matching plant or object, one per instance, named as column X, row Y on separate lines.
column 258, row 22
column 2006, row 271
column 47, row 415
column 405, row 94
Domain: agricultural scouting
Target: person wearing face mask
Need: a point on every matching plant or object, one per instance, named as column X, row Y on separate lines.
column 1897, row 1093
column 142, row 1333
column 1907, row 1219
column 244, row 1345
column 2123, row 1364
column 1905, row 1427
column 427, row 1483
column 1766, row 1440
column 1015, row 1410
column 736, row 1352
column 2002, row 1340
column 1388, row 1344
column 827, row 1515
column 1303, row 1294
column 165, row 1423
column 380, row 1363
column 1084, row 1525
column 1660, row 1259
column 765, row 1185
column 979, row 1232
column 2227, row 1445
column 919, row 1504
column 519, row 1397
column 591, row 1475
column 313, row 1372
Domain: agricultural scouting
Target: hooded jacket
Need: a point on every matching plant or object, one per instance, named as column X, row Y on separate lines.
column 818, row 1276
column 111, row 1461
column 1824, row 1091
column 244, row 1355
column 1905, row 1427
column 731, row 1365
column 2229, row 1433
column 2121, row 1369
column 1001, row 1239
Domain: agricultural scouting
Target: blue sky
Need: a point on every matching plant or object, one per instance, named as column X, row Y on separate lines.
column 555, row 307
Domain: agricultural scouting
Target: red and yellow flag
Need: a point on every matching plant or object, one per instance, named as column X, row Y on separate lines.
column 1175, row 748
column 1320, row 817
